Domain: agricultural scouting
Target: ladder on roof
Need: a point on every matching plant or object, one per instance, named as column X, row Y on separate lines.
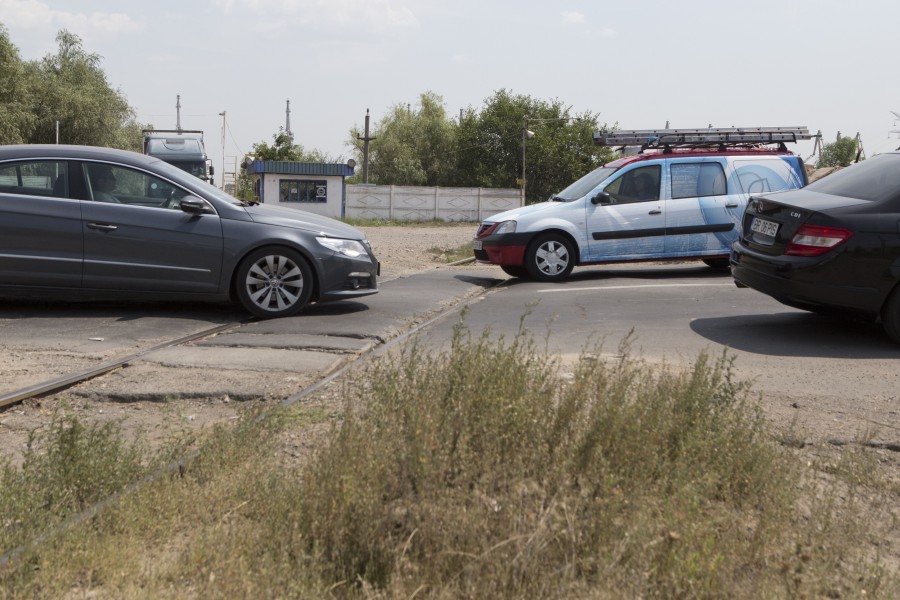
column 711, row 136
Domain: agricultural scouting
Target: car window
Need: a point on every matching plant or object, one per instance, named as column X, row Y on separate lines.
column 757, row 176
column 35, row 178
column 122, row 185
column 697, row 179
column 874, row 179
column 638, row 185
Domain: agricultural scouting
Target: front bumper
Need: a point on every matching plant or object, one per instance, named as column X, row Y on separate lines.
column 344, row 278
column 506, row 249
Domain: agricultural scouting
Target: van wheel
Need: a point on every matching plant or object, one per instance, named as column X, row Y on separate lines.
column 274, row 282
column 890, row 315
column 549, row 258
column 519, row 272
column 720, row 264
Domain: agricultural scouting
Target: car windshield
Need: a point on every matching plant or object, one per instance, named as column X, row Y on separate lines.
column 874, row 179
column 584, row 185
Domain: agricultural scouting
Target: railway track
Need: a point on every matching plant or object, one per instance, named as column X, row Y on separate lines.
column 59, row 384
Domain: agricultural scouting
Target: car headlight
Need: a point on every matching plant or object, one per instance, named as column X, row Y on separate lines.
column 506, row 227
column 351, row 248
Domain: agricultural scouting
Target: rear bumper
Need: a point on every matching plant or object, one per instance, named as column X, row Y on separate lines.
column 802, row 282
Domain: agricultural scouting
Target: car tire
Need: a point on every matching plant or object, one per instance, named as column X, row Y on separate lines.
column 520, row 272
column 890, row 315
column 549, row 257
column 719, row 264
column 274, row 282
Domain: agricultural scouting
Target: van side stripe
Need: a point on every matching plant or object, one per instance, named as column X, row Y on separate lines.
column 686, row 230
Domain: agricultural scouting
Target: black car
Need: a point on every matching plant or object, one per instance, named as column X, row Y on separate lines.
column 833, row 246
column 84, row 220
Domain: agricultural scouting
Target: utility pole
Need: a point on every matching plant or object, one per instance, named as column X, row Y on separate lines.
column 287, row 122
column 366, row 141
column 222, row 174
column 178, row 113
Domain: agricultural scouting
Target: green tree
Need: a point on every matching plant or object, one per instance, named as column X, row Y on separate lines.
column 490, row 145
column 839, row 153
column 412, row 146
column 16, row 119
column 72, row 89
column 283, row 148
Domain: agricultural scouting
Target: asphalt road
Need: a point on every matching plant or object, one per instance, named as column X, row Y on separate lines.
column 674, row 312
column 671, row 313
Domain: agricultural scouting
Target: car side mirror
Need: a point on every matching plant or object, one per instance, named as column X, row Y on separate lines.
column 601, row 198
column 194, row 205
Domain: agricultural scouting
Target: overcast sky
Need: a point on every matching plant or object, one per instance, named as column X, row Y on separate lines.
column 829, row 65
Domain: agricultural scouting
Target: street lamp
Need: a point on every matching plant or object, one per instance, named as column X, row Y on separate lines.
column 526, row 135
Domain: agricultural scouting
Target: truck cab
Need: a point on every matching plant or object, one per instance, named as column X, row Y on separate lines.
column 180, row 147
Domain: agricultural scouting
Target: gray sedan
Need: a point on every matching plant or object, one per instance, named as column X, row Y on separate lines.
column 88, row 220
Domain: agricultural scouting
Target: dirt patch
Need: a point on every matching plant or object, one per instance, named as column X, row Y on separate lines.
column 403, row 250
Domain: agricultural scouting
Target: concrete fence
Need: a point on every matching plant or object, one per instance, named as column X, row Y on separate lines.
column 412, row 203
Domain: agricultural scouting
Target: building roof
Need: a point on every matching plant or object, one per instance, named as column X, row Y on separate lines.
column 301, row 168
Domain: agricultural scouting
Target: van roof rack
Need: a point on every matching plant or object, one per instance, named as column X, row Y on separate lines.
column 722, row 137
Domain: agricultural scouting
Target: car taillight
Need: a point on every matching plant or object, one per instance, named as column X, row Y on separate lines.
column 812, row 240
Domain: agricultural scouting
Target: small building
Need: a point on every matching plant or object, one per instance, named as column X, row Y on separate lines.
column 314, row 187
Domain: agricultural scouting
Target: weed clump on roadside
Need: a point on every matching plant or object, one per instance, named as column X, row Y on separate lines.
column 481, row 471
column 66, row 469
column 451, row 255
column 477, row 473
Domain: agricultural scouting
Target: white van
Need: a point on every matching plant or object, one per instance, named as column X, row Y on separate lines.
column 680, row 197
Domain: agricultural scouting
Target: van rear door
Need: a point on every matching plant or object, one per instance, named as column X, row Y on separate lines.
column 702, row 218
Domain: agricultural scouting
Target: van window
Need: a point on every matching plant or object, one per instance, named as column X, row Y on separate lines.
column 637, row 185
column 757, row 176
column 693, row 180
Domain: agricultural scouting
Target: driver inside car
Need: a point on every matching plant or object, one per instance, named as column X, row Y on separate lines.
column 103, row 182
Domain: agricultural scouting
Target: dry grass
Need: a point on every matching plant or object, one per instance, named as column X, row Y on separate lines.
column 452, row 255
column 474, row 473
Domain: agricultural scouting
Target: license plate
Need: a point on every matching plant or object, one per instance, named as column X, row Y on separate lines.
column 764, row 227
column 476, row 244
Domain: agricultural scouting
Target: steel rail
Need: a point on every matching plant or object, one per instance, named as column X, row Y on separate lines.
column 65, row 381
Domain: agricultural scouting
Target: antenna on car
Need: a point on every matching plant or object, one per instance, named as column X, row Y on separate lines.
column 720, row 137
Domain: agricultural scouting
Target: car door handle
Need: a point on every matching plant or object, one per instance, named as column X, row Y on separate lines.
column 731, row 205
column 655, row 211
column 102, row 226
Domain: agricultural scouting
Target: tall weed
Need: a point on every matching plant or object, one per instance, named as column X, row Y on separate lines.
column 477, row 473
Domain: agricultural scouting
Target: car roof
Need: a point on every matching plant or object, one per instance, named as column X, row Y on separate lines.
column 696, row 153
column 72, row 152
